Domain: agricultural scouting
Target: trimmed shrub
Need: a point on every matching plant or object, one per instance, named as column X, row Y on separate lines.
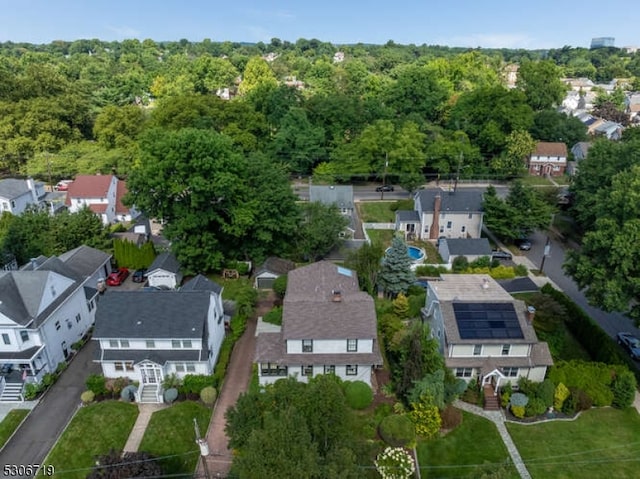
column 358, row 394
column 171, row 381
column 280, row 286
column 194, row 383
column 274, row 316
column 128, row 393
column 170, row 395
column 581, row 399
column 560, row 396
column 87, row 397
column 208, row 395
column 535, row 407
column 518, row 411
column 223, row 361
column 451, row 417
column 519, row 399
column 97, row 383
column 459, row 264
column 546, row 392
column 397, row 430
column 624, row 389
column 520, row 270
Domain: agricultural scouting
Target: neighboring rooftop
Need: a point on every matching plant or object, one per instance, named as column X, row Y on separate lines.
column 341, row 196
column 545, row 148
column 89, row 186
column 84, row 260
column 165, row 261
column 276, row 265
column 11, row 188
column 201, row 283
column 470, row 287
column 460, row 200
column 468, row 246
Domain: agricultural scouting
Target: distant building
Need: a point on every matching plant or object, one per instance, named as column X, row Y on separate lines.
column 602, row 42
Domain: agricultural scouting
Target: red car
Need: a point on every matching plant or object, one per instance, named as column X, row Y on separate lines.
column 117, row 277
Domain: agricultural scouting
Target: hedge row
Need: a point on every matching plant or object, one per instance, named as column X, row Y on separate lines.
column 600, row 346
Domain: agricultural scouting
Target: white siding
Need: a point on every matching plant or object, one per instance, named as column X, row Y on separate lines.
column 215, row 326
column 363, row 374
column 495, row 350
column 472, row 226
column 330, row 346
column 136, row 343
column 161, row 278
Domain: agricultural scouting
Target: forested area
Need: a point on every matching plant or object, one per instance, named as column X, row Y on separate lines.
column 80, row 107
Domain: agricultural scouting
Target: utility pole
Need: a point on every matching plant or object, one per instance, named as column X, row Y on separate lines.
column 46, row 154
column 384, row 175
column 547, row 252
column 204, row 448
column 455, row 185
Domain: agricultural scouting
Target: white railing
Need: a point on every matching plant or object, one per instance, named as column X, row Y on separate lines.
column 379, row 226
column 2, row 384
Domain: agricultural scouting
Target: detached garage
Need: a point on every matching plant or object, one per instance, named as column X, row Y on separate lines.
column 271, row 269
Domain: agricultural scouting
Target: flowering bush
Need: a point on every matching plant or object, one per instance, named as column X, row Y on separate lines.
column 395, row 463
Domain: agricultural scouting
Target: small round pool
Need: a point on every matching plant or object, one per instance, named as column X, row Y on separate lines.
column 416, row 254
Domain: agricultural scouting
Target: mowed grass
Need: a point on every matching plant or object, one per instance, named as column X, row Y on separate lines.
column 10, row 423
column 170, row 434
column 601, row 443
column 232, row 287
column 95, row 430
column 383, row 237
column 471, row 450
column 382, row 211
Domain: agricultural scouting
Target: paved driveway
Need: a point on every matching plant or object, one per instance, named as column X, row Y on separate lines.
column 38, row 434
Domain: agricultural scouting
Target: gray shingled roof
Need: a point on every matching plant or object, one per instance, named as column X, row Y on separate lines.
column 461, row 200
column 152, row 314
column 17, row 355
column 201, row 283
column 341, row 196
column 518, row 285
column 12, row 188
column 468, row 246
column 84, row 260
column 309, row 311
column 407, row 216
column 21, row 295
column 165, row 261
column 276, row 265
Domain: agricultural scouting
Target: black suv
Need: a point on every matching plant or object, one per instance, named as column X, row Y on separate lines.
column 384, row 188
column 139, row 276
column 499, row 254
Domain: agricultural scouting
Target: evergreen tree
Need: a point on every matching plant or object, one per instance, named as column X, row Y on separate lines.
column 396, row 275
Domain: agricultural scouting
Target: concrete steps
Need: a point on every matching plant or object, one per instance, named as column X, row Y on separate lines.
column 148, row 394
column 12, row 393
column 491, row 400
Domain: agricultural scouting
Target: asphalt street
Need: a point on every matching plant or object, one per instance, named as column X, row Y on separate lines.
column 612, row 323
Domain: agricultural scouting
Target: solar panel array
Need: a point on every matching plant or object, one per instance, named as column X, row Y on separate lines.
column 487, row 321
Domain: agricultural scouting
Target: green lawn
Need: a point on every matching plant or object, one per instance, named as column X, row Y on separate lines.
column 382, row 211
column 94, row 430
column 601, row 443
column 472, row 449
column 171, row 433
column 535, row 180
column 10, row 423
column 231, row 286
column 384, row 237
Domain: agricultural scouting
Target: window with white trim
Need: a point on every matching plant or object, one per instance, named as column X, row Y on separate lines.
column 330, row 369
column 191, row 368
column 24, row 335
column 176, row 343
column 113, row 343
column 464, row 372
column 352, row 345
column 151, row 344
column 307, row 345
column 506, row 349
column 5, row 338
column 510, row 372
column 352, row 369
column 186, row 343
column 180, row 367
column 306, row 370
column 268, row 369
column 124, row 343
column 477, row 349
column 57, row 325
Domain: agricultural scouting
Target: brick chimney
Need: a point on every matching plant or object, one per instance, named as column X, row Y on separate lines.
column 434, row 231
column 531, row 313
column 337, row 296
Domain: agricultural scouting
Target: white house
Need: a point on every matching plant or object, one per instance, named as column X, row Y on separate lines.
column 16, row 195
column 164, row 272
column 438, row 213
column 483, row 331
column 548, row 159
column 103, row 195
column 328, row 327
column 147, row 335
column 45, row 307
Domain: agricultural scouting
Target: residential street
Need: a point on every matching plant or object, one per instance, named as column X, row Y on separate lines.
column 612, row 323
column 39, row 432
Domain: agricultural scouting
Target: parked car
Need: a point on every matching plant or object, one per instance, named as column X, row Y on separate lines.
column 524, row 244
column 117, row 277
column 139, row 276
column 500, row 254
column 63, row 185
column 384, row 188
column 629, row 342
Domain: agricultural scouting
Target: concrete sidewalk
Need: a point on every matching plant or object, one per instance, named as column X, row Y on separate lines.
column 145, row 411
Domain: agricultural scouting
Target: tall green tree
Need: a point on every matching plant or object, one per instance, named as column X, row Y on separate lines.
column 217, row 204
column 298, row 143
column 257, row 73
column 396, row 274
column 541, row 83
column 319, row 231
column 366, row 262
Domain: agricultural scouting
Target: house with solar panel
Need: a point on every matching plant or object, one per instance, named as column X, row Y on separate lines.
column 483, row 332
column 328, row 327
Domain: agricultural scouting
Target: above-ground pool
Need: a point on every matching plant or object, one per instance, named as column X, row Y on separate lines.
column 416, row 254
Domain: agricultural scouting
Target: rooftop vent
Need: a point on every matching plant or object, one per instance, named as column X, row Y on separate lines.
column 485, row 283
